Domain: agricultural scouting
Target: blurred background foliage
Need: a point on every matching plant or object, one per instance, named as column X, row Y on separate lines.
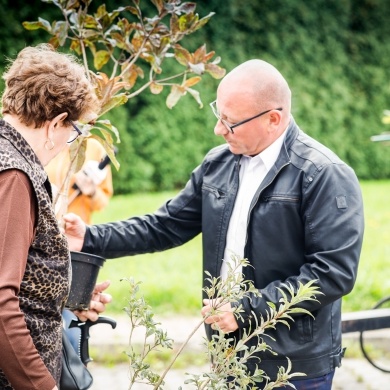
column 335, row 54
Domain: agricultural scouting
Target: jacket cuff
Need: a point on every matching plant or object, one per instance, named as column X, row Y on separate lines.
column 88, row 244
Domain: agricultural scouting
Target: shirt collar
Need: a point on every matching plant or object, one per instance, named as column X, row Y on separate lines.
column 269, row 155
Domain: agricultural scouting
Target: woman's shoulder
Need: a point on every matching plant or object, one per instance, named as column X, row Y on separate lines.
column 17, row 176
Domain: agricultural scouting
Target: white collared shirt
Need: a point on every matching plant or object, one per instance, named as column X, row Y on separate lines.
column 252, row 172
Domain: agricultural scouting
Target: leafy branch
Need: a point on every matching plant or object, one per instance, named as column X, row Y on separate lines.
column 229, row 357
column 128, row 45
column 124, row 37
column 141, row 316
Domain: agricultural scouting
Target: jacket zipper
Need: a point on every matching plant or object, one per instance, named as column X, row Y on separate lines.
column 286, row 198
column 249, row 216
column 257, row 199
column 213, row 191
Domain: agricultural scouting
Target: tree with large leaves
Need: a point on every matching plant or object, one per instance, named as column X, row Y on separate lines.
column 124, row 52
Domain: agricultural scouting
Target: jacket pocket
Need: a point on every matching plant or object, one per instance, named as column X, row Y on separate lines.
column 215, row 191
column 305, row 327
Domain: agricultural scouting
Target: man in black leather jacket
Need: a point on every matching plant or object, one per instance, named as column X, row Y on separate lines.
column 273, row 195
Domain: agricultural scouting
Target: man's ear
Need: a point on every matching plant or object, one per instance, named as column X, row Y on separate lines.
column 275, row 118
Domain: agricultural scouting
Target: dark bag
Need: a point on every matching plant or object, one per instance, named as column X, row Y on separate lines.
column 74, row 375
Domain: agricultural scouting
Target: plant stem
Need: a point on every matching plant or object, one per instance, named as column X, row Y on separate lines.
column 85, row 58
column 64, row 189
column 204, row 384
column 156, row 386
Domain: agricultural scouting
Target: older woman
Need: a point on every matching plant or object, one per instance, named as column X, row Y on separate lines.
column 45, row 93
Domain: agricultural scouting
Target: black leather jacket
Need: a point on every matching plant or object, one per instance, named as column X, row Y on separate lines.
column 305, row 222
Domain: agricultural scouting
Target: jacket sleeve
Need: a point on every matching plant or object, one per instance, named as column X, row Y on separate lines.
column 176, row 222
column 333, row 221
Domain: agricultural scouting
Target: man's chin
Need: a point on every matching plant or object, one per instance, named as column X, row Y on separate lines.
column 234, row 150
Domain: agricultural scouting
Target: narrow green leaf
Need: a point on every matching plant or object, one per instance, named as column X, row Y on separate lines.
column 109, row 150
column 201, row 22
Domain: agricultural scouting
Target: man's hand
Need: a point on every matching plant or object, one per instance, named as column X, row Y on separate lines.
column 74, row 230
column 224, row 320
column 98, row 303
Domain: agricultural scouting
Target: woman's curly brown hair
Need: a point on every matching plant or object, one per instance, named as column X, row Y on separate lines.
column 42, row 83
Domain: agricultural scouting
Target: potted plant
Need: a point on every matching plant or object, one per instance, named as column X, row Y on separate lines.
column 133, row 47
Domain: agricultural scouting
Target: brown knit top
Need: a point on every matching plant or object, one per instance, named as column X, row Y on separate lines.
column 34, row 270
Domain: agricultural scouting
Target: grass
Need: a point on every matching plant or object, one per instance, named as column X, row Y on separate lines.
column 373, row 281
column 172, row 280
column 112, row 355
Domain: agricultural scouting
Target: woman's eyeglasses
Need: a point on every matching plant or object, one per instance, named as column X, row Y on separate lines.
column 78, row 133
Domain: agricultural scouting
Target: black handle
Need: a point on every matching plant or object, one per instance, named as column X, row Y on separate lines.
column 104, row 162
column 84, row 338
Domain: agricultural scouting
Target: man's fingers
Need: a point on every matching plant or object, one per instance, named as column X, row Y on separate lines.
column 211, row 302
column 212, row 319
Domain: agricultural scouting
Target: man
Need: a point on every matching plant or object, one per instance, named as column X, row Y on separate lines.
column 272, row 195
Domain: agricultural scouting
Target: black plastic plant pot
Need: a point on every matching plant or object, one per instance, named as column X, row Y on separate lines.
column 85, row 271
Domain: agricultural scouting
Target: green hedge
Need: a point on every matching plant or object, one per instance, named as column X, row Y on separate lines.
column 334, row 53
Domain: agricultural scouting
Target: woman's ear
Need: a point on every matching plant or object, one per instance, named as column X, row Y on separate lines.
column 55, row 123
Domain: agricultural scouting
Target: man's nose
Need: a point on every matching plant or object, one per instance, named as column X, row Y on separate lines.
column 220, row 128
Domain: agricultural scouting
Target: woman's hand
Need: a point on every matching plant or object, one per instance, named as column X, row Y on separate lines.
column 74, row 229
column 98, row 303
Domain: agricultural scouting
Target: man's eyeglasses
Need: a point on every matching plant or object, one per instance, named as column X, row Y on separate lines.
column 231, row 126
column 78, row 133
